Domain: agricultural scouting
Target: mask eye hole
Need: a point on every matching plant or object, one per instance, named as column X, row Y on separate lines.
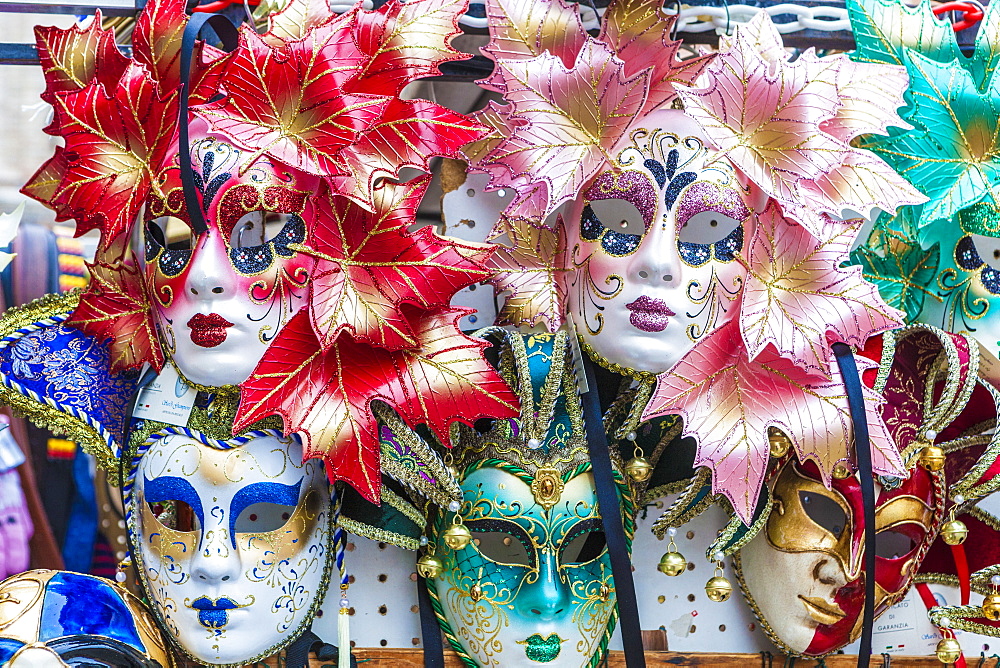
column 502, row 547
column 587, row 543
column 707, row 227
column 619, row 216
column 824, row 511
column 988, row 249
column 170, row 233
column 257, row 228
column 263, row 517
column 175, row 514
column 891, row 544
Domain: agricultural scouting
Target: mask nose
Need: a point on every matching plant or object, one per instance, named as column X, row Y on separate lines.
column 217, row 561
column 547, row 598
column 828, row 571
column 210, row 273
column 656, row 262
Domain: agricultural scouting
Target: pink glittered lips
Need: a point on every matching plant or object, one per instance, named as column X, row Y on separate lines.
column 649, row 314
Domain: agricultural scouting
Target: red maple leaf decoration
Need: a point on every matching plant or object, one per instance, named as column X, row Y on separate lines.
column 115, row 144
column 405, row 41
column 370, row 265
column 408, row 134
column 280, row 103
column 115, row 308
column 156, row 42
column 327, row 395
column 73, row 58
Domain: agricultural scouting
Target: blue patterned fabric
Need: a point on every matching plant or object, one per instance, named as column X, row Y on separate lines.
column 70, row 371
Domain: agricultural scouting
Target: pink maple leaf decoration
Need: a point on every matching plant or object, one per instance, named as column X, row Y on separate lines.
column 797, row 294
column 787, row 125
column 569, row 119
column 728, row 401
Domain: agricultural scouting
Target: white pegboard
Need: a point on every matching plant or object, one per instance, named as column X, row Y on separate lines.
column 384, row 598
column 470, row 212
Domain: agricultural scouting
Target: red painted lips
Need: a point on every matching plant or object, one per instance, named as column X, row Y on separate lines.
column 209, row 330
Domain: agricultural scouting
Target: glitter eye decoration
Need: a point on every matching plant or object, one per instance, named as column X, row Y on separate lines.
column 711, row 224
column 616, row 223
column 502, row 542
column 174, row 503
column 974, row 252
column 259, row 235
column 584, row 543
column 709, row 234
column 169, row 240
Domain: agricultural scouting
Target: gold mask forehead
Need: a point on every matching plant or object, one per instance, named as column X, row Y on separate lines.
column 791, row 529
column 180, row 455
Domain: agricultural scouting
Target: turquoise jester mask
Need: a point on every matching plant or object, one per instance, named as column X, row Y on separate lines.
column 533, row 582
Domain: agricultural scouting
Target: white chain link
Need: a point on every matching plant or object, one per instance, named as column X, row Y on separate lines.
column 703, row 19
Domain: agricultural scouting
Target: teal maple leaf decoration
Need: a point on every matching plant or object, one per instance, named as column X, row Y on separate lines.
column 894, row 260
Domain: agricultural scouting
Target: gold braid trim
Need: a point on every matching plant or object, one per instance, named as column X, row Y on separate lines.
column 725, row 543
column 447, row 488
column 378, row 534
column 684, row 509
column 961, row 617
column 220, row 390
column 641, row 376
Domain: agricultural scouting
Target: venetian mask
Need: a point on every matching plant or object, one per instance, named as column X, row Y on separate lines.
column 803, row 571
column 232, row 540
column 52, row 619
column 534, row 585
column 221, row 297
column 653, row 260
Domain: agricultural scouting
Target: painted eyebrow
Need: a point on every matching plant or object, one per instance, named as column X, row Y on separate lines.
column 172, row 488
column 261, row 492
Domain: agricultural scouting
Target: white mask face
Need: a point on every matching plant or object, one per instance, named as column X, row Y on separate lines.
column 653, row 247
column 221, row 297
column 233, row 544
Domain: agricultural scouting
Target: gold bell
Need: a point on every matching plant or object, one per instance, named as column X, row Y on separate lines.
column 639, row 469
column 954, row 532
column 718, row 589
column 932, row 458
column 429, row 566
column 948, row 651
column 991, row 607
column 840, row 471
column 778, row 442
column 672, row 563
column 457, row 536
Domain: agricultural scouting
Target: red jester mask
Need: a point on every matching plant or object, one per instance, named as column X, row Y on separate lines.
column 803, row 573
column 221, row 297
